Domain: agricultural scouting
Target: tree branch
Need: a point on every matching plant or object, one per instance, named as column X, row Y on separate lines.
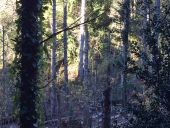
column 68, row 28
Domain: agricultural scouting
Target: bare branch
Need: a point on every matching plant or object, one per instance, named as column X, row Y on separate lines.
column 68, row 28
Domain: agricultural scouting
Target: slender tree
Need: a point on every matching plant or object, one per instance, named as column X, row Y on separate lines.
column 53, row 63
column 155, row 47
column 157, row 14
column 125, row 33
column 86, row 62
column 65, row 45
column 65, row 53
column 82, row 15
column 3, row 47
column 27, row 49
column 106, row 105
column 107, row 102
column 144, row 36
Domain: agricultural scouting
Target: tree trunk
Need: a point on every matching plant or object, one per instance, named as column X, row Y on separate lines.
column 65, row 46
column 125, row 32
column 86, row 62
column 155, row 50
column 3, row 46
column 106, row 108
column 156, row 34
column 28, row 49
column 81, row 68
column 53, row 64
column 107, row 103
column 157, row 13
column 144, row 36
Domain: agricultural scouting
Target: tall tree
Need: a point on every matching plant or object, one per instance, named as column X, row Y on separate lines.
column 155, row 50
column 27, row 49
column 81, row 64
column 157, row 14
column 65, row 53
column 86, row 50
column 144, row 36
column 125, row 40
column 107, row 102
column 3, row 47
column 65, row 45
column 53, row 63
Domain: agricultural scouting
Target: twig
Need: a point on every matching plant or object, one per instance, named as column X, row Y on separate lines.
column 46, row 84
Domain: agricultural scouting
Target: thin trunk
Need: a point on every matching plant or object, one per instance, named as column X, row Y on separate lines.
column 53, row 64
column 106, row 108
column 3, row 48
column 86, row 62
column 144, row 36
column 155, row 51
column 86, row 50
column 65, row 55
column 81, row 68
column 156, row 34
column 157, row 4
column 107, row 103
column 65, row 45
column 59, row 107
column 125, row 33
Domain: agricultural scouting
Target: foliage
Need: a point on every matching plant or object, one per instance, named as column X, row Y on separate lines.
column 155, row 74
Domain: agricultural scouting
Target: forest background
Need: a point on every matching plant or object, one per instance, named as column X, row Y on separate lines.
column 100, row 63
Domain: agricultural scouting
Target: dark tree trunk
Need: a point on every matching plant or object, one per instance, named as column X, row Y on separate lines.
column 3, row 48
column 125, row 33
column 86, row 59
column 28, row 44
column 106, row 108
column 107, row 103
column 144, row 36
column 65, row 46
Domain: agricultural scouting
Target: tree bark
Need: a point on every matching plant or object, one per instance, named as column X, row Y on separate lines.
column 81, row 68
column 86, row 59
column 155, row 49
column 53, row 64
column 144, row 36
column 106, row 108
column 125, row 33
column 65, row 46
column 157, row 13
column 107, row 103
column 27, row 46
column 3, row 47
